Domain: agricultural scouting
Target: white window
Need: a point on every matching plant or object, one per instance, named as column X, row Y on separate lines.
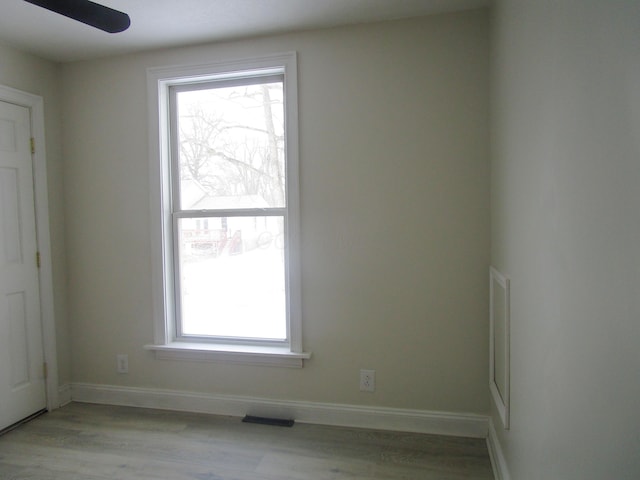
column 224, row 179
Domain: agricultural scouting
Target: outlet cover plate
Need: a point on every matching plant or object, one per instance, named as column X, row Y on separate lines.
column 367, row 380
column 122, row 360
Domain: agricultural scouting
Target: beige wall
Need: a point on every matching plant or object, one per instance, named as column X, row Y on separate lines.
column 566, row 228
column 33, row 75
column 395, row 216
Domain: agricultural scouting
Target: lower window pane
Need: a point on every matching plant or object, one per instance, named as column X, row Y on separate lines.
column 232, row 277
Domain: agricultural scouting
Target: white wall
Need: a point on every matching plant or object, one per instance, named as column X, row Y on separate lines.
column 34, row 75
column 395, row 215
column 566, row 228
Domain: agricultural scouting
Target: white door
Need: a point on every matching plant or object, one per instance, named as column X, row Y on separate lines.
column 22, row 382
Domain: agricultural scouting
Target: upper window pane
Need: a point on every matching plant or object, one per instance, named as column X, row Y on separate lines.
column 231, row 145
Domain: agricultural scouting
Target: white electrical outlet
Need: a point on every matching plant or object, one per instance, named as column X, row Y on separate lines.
column 367, row 380
column 122, row 360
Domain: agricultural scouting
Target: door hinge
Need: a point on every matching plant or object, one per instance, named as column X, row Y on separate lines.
column 38, row 259
column 45, row 370
column 33, row 145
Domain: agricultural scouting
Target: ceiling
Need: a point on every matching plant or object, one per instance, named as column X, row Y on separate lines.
column 165, row 23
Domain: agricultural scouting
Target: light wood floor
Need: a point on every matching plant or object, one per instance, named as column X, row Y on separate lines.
column 97, row 442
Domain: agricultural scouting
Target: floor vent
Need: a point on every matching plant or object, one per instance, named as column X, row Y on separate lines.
column 278, row 422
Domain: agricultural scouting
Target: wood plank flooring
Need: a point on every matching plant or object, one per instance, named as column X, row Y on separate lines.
column 97, row 442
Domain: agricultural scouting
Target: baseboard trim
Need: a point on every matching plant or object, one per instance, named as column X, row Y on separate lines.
column 498, row 461
column 382, row 418
column 64, row 394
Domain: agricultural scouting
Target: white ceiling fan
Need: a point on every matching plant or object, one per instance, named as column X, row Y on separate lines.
column 90, row 13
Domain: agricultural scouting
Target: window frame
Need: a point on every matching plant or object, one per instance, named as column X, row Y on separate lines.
column 180, row 212
column 167, row 343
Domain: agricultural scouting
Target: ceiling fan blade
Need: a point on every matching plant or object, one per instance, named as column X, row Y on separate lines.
column 89, row 13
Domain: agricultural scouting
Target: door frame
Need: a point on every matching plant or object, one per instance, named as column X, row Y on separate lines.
column 35, row 104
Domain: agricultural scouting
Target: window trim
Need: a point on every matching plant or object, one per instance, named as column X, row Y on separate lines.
column 166, row 345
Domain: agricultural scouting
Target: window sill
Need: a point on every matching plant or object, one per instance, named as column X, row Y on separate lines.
column 247, row 354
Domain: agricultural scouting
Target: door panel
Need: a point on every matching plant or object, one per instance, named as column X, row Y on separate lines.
column 18, row 339
column 22, row 383
column 10, row 251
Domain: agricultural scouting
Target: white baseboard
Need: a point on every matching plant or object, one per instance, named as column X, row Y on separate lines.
column 403, row 420
column 64, row 394
column 498, row 461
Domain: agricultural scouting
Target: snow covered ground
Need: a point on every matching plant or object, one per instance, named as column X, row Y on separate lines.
column 241, row 295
